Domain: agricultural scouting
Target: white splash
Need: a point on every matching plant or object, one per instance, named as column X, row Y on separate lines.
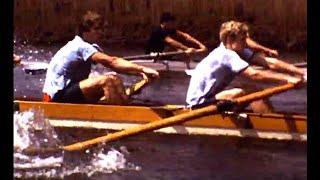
column 32, row 129
column 111, row 161
column 37, row 162
column 21, row 130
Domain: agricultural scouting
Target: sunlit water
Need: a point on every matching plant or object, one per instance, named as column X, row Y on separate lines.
column 31, row 129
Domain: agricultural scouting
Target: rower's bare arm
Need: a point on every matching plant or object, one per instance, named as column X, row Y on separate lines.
column 256, row 46
column 175, row 43
column 121, row 65
column 267, row 76
column 276, row 64
column 189, row 38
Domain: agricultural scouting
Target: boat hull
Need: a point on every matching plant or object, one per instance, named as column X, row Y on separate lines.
column 270, row 126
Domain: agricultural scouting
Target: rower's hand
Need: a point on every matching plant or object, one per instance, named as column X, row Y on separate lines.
column 294, row 80
column 148, row 72
column 273, row 53
column 190, row 51
column 225, row 105
column 201, row 49
column 145, row 77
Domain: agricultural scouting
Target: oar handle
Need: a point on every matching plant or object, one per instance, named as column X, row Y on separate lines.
column 136, row 88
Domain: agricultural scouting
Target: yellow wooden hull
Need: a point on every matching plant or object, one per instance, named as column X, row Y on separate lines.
column 277, row 126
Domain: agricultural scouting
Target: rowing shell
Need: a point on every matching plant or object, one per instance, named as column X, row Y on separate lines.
column 268, row 126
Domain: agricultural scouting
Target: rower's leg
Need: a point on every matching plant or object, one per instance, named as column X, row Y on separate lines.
column 262, row 106
column 259, row 106
column 230, row 94
column 110, row 87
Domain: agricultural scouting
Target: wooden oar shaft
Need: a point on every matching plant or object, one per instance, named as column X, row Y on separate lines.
column 135, row 88
column 142, row 128
column 302, row 64
column 153, row 55
column 169, row 121
column 264, row 93
column 176, row 119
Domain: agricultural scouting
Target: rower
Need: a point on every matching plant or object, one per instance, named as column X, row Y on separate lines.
column 215, row 72
column 164, row 35
column 67, row 79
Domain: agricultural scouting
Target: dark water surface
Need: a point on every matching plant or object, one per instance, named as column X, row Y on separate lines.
column 206, row 157
column 177, row 156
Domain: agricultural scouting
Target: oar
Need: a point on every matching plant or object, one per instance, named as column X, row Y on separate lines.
column 153, row 55
column 302, row 64
column 158, row 54
column 33, row 67
column 137, row 87
column 178, row 119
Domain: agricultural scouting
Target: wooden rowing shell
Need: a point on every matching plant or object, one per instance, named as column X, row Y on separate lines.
column 271, row 126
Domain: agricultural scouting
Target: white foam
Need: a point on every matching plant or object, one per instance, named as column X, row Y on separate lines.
column 25, row 125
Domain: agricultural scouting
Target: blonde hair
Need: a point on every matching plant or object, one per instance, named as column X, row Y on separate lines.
column 88, row 21
column 232, row 29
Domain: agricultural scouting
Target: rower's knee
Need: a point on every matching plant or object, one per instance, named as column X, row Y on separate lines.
column 262, row 106
column 239, row 92
column 272, row 62
column 109, row 80
column 230, row 94
column 114, row 91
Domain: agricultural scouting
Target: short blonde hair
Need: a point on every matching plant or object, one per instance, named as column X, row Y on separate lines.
column 232, row 29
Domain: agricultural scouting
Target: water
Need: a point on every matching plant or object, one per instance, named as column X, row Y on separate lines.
column 152, row 156
column 159, row 156
column 31, row 130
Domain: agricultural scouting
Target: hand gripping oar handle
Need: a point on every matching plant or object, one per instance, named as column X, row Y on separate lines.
column 154, row 55
column 178, row 119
